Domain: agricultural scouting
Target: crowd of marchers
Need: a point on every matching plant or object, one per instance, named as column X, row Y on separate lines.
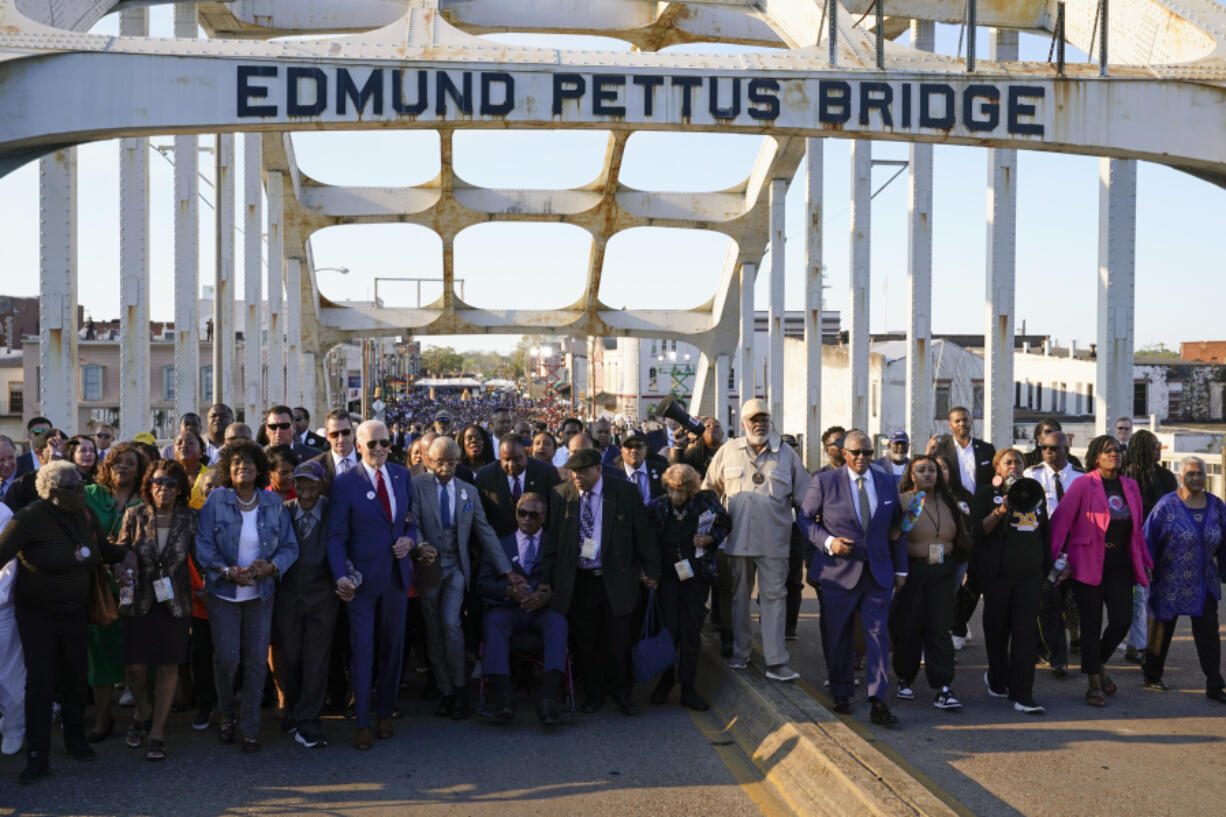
column 323, row 572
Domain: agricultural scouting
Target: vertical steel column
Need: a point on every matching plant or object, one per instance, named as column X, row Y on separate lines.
column 1117, row 239
column 861, row 261
column 720, row 392
column 312, row 371
column 275, row 283
column 187, row 249
column 919, row 272
column 813, row 303
column 778, row 193
column 57, row 288
column 253, row 328
column 745, row 364
column 578, row 371
column 1001, row 262
column 632, row 373
column 293, row 331
column 223, row 273
column 832, row 31
column 134, row 379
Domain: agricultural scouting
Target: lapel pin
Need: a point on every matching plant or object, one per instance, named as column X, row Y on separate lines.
column 370, row 494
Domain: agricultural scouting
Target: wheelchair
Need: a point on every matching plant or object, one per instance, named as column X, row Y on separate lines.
column 527, row 650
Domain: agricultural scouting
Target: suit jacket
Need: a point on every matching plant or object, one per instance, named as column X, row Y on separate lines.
column 25, row 463
column 470, row 524
column 984, row 452
column 495, row 494
column 1081, row 520
column 887, row 466
column 325, row 459
column 312, row 440
column 139, row 532
column 359, row 531
column 627, row 545
column 656, row 466
column 22, row 492
column 831, row 497
column 493, row 586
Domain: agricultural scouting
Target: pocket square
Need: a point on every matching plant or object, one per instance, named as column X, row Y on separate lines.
column 888, row 502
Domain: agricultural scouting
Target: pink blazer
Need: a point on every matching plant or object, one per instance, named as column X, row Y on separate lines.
column 1082, row 518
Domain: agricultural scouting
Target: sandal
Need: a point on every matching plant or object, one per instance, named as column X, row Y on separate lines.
column 1094, row 697
column 156, row 750
column 1108, row 685
column 136, row 733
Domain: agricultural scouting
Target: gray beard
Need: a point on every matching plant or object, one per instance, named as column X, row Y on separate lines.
column 757, row 439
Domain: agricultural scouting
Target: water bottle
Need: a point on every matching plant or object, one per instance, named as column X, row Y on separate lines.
column 914, row 509
column 127, row 593
column 1056, row 569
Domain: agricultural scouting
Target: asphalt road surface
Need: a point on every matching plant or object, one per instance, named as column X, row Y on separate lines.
column 663, row 762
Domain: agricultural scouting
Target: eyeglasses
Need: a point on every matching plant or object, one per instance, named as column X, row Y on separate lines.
column 378, row 443
column 524, row 514
column 164, row 482
column 277, row 426
column 344, row 432
column 858, row 452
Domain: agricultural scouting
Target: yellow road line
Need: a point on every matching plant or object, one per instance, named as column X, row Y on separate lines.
column 747, row 776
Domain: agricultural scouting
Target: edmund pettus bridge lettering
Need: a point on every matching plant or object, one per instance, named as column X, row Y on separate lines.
column 379, row 93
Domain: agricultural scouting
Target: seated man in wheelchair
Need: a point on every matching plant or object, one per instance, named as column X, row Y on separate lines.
column 515, row 608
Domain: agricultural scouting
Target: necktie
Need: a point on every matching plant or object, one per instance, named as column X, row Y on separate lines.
column 517, row 490
column 530, row 555
column 641, row 479
column 384, row 499
column 1059, row 488
column 587, row 518
column 342, row 465
column 306, row 524
column 444, row 507
column 866, row 512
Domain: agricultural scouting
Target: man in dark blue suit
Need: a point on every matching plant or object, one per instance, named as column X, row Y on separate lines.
column 517, row 608
column 850, row 515
column 371, row 531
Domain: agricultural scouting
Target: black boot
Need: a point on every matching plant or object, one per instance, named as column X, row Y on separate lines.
column 692, row 699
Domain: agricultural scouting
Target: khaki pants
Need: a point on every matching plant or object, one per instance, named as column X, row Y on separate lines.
column 772, row 573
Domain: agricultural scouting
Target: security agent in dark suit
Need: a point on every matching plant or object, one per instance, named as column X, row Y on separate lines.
column 501, row 484
column 278, row 429
column 341, row 453
column 599, row 546
column 641, row 469
column 37, row 430
column 513, row 609
column 960, row 459
column 303, row 433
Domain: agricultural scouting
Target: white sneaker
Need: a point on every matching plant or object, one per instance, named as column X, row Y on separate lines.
column 905, row 692
column 782, row 672
column 960, row 642
column 126, row 698
column 1031, row 708
column 736, row 663
column 945, row 699
column 991, row 691
column 12, row 744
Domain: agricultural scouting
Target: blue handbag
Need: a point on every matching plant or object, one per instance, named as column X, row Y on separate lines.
column 652, row 654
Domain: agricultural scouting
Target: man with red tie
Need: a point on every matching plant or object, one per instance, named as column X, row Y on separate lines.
column 372, row 528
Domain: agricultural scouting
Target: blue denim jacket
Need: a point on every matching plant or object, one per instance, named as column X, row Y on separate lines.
column 221, row 523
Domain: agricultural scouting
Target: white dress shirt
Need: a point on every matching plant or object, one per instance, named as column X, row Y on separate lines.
column 1047, row 476
column 869, row 488
column 350, row 461
column 374, row 485
column 966, row 465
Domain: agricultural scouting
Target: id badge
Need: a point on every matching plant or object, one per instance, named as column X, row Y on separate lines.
column 936, row 554
column 684, row 571
column 162, row 589
column 588, row 551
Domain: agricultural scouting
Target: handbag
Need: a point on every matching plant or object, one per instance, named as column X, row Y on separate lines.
column 652, row 654
column 101, row 607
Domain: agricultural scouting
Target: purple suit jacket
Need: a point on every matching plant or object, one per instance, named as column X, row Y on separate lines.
column 831, row 500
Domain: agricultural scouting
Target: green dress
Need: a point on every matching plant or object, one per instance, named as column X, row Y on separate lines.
column 105, row 644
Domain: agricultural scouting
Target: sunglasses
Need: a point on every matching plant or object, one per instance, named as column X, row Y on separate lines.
column 633, row 445
column 41, row 431
column 344, row 432
column 102, row 435
column 277, row 426
column 524, row 514
column 378, row 443
column 1049, row 448
column 859, row 452
column 165, row 482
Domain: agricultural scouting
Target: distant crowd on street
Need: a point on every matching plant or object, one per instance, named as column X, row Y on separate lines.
column 467, row 548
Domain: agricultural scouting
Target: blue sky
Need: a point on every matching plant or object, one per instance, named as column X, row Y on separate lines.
column 1179, row 235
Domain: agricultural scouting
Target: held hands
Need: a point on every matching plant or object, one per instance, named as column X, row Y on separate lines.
column 842, row 546
column 703, row 540
column 401, row 547
column 345, row 588
column 426, row 554
column 259, row 570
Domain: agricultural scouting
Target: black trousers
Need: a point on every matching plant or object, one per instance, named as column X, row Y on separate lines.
column 338, row 661
column 721, row 593
column 302, row 646
column 1204, row 634
column 1010, row 633
column 1114, row 591
column 1052, row 633
column 56, row 661
column 966, row 599
column 795, row 582
column 200, row 645
column 922, row 613
column 600, row 640
column 682, row 608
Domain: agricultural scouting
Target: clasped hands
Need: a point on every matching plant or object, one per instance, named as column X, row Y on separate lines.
column 519, row 592
column 258, row 570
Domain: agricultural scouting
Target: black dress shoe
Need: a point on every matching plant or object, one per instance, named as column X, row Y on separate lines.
column 591, row 705
column 504, row 709
column 430, row 692
column 547, row 712
column 625, row 705
column 660, row 694
column 79, row 749
column 881, row 715
column 692, row 699
column 1218, row 695
column 37, row 767
column 842, row 706
column 445, row 703
column 459, row 707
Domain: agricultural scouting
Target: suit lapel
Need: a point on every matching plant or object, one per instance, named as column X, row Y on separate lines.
column 430, row 499
column 608, row 510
